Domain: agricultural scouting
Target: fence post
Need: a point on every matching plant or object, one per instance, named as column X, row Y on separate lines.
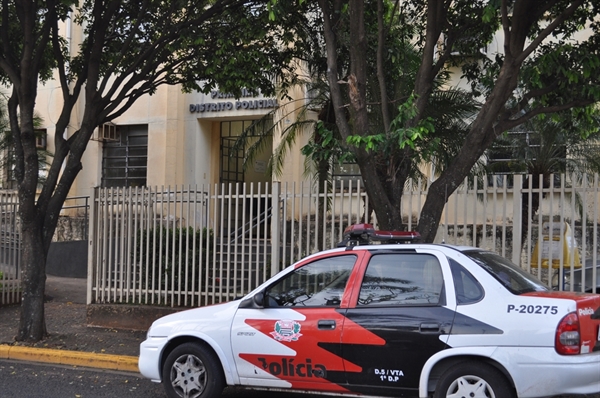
column 275, row 227
column 517, row 219
column 91, row 245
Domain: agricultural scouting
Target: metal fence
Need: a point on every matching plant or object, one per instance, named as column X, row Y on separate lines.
column 10, row 240
column 189, row 246
column 10, row 248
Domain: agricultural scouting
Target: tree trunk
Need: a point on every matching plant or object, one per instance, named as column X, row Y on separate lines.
column 32, row 326
column 322, row 181
column 384, row 196
column 432, row 212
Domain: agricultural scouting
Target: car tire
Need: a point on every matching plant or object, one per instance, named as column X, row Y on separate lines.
column 193, row 371
column 475, row 380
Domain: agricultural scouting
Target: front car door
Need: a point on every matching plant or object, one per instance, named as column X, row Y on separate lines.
column 402, row 299
column 292, row 342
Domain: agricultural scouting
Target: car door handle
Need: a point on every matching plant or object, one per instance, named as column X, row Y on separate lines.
column 429, row 328
column 326, row 324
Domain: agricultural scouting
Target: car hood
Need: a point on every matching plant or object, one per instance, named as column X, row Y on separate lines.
column 197, row 319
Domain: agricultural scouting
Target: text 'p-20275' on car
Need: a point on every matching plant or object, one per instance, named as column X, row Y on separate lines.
column 386, row 319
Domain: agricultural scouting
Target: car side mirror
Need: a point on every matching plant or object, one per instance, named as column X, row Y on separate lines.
column 256, row 301
column 259, row 299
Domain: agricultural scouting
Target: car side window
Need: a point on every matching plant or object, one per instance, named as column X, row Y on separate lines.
column 317, row 284
column 468, row 290
column 402, row 279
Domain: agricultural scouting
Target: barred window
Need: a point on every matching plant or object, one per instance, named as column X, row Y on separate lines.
column 125, row 159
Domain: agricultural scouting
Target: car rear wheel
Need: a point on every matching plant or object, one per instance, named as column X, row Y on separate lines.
column 192, row 371
column 473, row 380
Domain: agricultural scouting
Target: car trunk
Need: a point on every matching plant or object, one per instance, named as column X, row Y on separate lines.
column 588, row 314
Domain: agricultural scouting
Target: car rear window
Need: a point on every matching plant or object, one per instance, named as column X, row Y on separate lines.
column 513, row 278
column 467, row 288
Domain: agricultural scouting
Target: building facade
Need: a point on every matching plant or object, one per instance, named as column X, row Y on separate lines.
column 174, row 138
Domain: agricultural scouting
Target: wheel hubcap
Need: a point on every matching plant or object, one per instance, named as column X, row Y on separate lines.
column 470, row 387
column 188, row 376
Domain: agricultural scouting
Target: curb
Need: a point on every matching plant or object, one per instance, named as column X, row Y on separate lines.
column 75, row 358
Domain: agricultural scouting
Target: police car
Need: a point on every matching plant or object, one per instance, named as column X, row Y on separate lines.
column 386, row 319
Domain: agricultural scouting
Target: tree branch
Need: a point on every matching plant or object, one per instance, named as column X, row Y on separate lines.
column 507, row 124
column 380, row 66
column 505, row 25
column 569, row 11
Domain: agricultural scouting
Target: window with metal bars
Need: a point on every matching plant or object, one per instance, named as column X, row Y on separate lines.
column 125, row 160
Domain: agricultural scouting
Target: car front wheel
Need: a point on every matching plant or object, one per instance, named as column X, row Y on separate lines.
column 473, row 380
column 192, row 371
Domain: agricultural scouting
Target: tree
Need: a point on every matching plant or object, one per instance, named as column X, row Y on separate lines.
column 448, row 113
column 540, row 70
column 129, row 50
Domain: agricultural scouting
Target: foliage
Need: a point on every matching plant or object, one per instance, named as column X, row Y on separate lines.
column 173, row 257
column 325, row 146
column 521, row 59
column 128, row 50
column 399, row 136
column 448, row 114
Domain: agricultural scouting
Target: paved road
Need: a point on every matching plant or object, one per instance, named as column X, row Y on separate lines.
column 22, row 379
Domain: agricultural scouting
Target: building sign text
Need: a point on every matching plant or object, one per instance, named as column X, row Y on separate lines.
column 237, row 105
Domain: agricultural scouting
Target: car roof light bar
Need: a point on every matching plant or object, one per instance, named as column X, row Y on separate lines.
column 364, row 234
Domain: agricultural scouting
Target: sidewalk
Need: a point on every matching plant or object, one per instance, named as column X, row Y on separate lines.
column 70, row 340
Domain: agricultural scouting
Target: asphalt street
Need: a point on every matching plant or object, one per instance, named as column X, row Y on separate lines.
column 33, row 380
column 22, row 379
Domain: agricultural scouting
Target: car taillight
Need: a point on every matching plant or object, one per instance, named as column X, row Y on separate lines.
column 567, row 335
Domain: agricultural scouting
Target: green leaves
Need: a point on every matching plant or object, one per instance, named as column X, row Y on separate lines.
column 490, row 11
column 369, row 142
column 401, row 134
column 562, row 73
column 323, row 146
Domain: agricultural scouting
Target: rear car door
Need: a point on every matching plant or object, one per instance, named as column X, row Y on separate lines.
column 403, row 301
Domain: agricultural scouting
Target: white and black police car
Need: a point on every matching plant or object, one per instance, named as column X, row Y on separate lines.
column 385, row 319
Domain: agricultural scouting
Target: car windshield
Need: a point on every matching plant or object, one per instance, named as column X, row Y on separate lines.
column 509, row 275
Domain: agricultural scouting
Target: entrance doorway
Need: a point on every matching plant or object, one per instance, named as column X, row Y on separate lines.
column 232, row 173
column 232, row 158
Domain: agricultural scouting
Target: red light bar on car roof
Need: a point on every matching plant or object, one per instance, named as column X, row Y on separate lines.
column 362, row 234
